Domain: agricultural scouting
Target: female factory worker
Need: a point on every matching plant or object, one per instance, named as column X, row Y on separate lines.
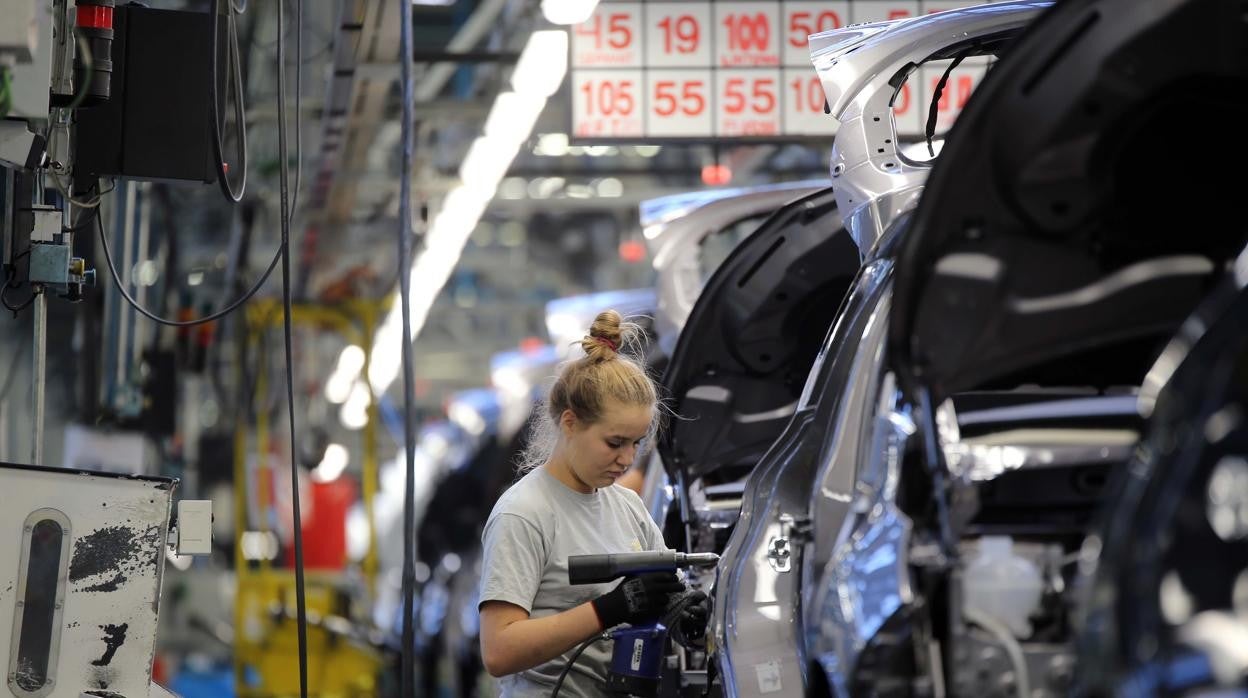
column 599, row 410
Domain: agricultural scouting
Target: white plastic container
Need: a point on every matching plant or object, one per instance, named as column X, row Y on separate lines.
column 1003, row 585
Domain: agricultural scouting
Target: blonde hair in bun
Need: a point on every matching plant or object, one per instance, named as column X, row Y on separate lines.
column 609, row 373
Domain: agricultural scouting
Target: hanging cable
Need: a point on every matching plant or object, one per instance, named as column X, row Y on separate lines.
column 121, row 287
column 233, row 68
column 408, row 685
column 933, row 109
column 296, row 518
column 294, row 199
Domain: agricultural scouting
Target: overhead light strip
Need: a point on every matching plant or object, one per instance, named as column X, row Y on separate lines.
column 542, row 66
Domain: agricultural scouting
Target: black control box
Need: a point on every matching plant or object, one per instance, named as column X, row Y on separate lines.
column 156, row 125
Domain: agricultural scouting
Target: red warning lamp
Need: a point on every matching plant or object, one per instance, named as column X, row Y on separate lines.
column 531, row 345
column 716, row 175
column 632, row 251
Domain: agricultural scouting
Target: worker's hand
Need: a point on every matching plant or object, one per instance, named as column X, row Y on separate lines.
column 691, row 625
column 637, row 599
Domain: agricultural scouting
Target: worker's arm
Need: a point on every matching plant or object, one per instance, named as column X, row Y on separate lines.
column 511, row 641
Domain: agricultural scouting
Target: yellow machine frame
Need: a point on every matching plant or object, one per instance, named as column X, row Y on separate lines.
column 265, row 640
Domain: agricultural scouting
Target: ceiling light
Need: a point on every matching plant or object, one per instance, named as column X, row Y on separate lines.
column 568, row 11
column 467, row 417
column 512, row 117
column 146, row 273
column 332, row 464
column 485, row 164
column 338, row 387
column 513, row 188
column 610, row 188
column 354, row 412
column 552, row 145
column 543, row 63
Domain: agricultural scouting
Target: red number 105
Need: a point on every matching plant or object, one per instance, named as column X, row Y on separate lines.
column 684, row 29
column 610, row 98
column 690, row 100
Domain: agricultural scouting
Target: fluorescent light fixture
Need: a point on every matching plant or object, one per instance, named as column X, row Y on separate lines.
column 484, row 166
column 258, row 545
column 513, row 188
column 510, row 381
column 338, row 387
column 146, row 273
column 332, row 464
column 543, row 63
column 538, row 74
column 467, row 417
column 564, row 329
column 568, row 11
column 610, row 188
column 513, row 115
column 354, row 412
column 553, row 145
column 358, row 530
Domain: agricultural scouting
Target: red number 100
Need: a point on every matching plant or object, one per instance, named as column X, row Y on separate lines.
column 746, row 33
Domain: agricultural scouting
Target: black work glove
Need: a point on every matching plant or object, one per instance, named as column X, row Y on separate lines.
column 692, row 623
column 637, row 599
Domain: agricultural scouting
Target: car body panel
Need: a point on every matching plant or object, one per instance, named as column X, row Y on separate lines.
column 1149, row 547
column 675, row 228
column 861, row 69
column 758, row 619
column 737, row 373
column 1041, row 233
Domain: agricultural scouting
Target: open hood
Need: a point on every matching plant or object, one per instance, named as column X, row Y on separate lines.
column 738, row 370
column 862, row 69
column 690, row 234
column 1050, row 225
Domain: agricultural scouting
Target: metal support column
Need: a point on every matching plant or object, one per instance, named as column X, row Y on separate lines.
column 38, row 379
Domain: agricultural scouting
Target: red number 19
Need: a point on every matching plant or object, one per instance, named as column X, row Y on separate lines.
column 685, row 31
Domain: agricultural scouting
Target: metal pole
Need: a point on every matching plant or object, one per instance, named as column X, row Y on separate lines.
column 38, row 377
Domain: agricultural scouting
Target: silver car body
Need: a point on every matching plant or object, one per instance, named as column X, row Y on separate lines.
column 858, row 67
column 758, row 620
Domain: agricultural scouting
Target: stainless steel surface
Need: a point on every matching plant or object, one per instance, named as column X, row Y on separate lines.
column 697, row 559
column 38, row 376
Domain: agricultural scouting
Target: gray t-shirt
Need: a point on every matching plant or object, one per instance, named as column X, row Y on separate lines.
column 534, row 527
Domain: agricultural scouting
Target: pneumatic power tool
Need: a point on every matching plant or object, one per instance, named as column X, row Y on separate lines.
column 636, row 660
